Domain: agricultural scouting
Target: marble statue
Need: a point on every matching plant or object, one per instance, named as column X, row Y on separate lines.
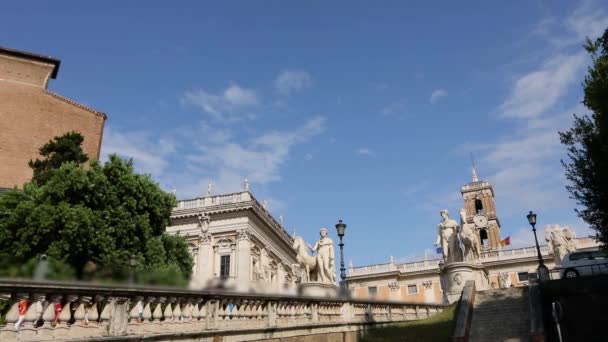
column 319, row 268
column 447, row 238
column 307, row 262
column 561, row 241
column 246, row 184
column 548, row 238
column 504, row 280
column 469, row 239
column 209, row 189
column 471, row 244
column 326, row 272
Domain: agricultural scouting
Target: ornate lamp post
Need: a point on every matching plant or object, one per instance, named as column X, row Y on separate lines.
column 132, row 264
column 341, row 228
column 543, row 272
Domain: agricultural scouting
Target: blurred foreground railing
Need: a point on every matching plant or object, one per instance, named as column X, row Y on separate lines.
column 61, row 311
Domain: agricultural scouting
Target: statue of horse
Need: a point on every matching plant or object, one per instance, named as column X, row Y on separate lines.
column 470, row 241
column 306, row 261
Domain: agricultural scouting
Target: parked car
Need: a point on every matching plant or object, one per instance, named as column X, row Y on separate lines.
column 578, row 264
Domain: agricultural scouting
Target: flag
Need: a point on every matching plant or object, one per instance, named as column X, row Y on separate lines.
column 506, row 241
column 439, row 250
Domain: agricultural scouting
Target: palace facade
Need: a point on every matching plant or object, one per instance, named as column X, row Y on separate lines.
column 420, row 281
column 236, row 243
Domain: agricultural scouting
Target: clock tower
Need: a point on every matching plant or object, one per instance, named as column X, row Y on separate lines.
column 480, row 211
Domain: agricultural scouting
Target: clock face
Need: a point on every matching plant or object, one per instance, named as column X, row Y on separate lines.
column 480, row 221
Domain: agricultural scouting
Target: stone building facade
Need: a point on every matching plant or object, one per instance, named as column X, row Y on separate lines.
column 31, row 115
column 420, row 282
column 236, row 243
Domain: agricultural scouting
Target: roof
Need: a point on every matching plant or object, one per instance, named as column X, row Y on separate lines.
column 33, row 56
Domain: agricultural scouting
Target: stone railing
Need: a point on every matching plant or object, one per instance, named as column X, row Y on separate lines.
column 214, row 200
column 416, row 266
column 486, row 256
column 509, row 254
column 81, row 311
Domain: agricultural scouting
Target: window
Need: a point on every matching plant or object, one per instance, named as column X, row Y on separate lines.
column 225, row 266
column 412, row 289
column 599, row 255
column 483, row 237
column 372, row 290
column 579, row 256
column 478, row 206
column 522, row 276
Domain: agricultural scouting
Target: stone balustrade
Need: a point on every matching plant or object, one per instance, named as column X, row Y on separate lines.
column 83, row 311
column 215, row 200
column 486, row 256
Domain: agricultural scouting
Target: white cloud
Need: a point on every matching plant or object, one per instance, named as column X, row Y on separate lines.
column 589, row 20
column 537, row 91
column 437, row 95
column 308, row 156
column 394, row 107
column 259, row 158
column 230, row 105
column 291, row 81
column 149, row 155
column 363, row 151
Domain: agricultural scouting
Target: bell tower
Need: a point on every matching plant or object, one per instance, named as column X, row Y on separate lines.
column 480, row 211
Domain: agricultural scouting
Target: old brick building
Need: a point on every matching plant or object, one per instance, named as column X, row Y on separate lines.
column 31, row 115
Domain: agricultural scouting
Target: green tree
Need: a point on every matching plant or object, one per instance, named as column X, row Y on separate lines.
column 101, row 214
column 56, row 152
column 587, row 144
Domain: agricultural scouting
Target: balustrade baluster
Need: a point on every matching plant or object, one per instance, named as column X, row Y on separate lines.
column 177, row 311
column 62, row 329
column 106, row 313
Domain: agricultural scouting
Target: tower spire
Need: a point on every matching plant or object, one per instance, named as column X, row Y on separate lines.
column 474, row 171
column 475, row 178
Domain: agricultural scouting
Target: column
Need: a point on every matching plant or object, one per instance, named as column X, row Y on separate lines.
column 280, row 278
column 243, row 272
column 205, row 261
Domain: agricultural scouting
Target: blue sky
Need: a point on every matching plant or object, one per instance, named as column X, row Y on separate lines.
column 334, row 110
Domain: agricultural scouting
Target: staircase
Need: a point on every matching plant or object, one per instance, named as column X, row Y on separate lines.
column 501, row 315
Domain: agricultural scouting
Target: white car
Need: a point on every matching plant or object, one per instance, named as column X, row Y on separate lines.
column 577, row 264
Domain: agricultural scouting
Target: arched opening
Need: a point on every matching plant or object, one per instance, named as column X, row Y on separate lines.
column 483, row 237
column 478, row 206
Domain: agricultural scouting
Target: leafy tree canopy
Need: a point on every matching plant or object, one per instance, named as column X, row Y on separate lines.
column 57, row 151
column 587, row 144
column 101, row 214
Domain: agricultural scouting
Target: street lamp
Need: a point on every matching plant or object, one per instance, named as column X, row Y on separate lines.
column 341, row 227
column 543, row 272
column 132, row 264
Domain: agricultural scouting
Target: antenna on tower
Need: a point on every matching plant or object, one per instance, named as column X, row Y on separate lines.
column 474, row 172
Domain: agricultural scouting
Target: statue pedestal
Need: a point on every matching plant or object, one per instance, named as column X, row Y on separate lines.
column 317, row 289
column 455, row 274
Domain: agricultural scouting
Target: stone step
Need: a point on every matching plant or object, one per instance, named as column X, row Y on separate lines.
column 501, row 315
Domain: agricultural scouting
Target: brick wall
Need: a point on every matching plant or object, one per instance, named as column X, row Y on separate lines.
column 30, row 116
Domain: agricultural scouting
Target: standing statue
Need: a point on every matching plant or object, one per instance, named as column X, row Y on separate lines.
column 326, row 272
column 447, row 238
